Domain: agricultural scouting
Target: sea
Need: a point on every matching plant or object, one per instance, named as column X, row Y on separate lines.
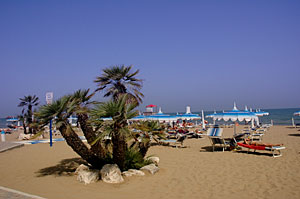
column 278, row 116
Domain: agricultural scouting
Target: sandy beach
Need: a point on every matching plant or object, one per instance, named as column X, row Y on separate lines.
column 192, row 172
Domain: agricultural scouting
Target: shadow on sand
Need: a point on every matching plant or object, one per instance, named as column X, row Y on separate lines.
column 295, row 134
column 210, row 149
column 66, row 167
column 219, row 149
column 255, row 153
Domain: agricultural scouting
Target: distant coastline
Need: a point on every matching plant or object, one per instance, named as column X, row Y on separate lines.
column 282, row 116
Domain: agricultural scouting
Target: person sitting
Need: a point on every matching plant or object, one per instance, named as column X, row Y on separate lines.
column 249, row 142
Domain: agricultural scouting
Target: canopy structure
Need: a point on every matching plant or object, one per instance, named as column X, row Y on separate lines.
column 261, row 113
column 188, row 115
column 151, row 106
column 235, row 115
column 139, row 117
column 297, row 113
column 161, row 117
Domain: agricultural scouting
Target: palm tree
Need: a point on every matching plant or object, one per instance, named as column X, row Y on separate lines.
column 22, row 119
column 59, row 111
column 82, row 99
column 118, row 80
column 120, row 111
column 28, row 102
column 147, row 128
column 92, row 126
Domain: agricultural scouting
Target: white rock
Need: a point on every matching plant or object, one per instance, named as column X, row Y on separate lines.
column 111, row 173
column 154, row 160
column 133, row 172
column 152, row 168
column 86, row 175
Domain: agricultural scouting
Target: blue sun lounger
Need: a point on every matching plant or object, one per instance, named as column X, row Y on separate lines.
column 215, row 132
column 214, row 135
column 180, row 139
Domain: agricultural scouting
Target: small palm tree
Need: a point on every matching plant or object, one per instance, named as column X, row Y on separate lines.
column 59, row 111
column 118, row 80
column 28, row 102
column 22, row 119
column 120, row 111
column 148, row 128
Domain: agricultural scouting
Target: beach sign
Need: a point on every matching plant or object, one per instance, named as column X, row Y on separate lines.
column 49, row 100
column 49, row 97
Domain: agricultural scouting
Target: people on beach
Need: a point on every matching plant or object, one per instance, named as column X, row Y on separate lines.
column 249, row 142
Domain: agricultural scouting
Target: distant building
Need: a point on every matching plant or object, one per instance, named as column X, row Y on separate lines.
column 150, row 110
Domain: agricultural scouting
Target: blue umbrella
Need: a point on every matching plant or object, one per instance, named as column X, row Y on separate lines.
column 297, row 113
column 258, row 112
column 161, row 117
column 235, row 115
column 261, row 113
column 188, row 115
column 139, row 117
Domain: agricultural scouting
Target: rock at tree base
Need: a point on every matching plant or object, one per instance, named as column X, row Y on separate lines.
column 133, row 172
column 86, row 175
column 111, row 173
column 152, row 168
column 154, row 160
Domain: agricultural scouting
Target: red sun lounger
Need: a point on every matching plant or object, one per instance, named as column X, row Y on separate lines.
column 276, row 150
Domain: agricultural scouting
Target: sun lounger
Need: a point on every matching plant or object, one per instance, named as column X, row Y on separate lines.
column 256, row 136
column 179, row 141
column 276, row 150
column 219, row 141
column 214, row 135
column 216, row 132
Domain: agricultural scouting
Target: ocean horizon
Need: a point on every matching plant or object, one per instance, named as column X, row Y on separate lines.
column 281, row 116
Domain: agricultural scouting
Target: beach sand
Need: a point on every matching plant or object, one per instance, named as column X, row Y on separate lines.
column 192, row 172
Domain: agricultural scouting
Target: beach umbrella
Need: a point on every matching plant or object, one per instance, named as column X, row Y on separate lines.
column 188, row 115
column 106, row 118
column 260, row 113
column 139, row 117
column 161, row 117
column 203, row 122
column 293, row 122
column 235, row 115
column 211, row 116
column 297, row 113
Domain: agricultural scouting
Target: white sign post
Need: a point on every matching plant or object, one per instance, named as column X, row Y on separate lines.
column 49, row 97
column 49, row 100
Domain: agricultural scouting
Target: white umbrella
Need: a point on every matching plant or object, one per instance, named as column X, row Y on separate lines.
column 297, row 113
column 139, row 117
column 293, row 122
column 259, row 113
column 188, row 115
column 203, row 122
column 161, row 117
column 235, row 115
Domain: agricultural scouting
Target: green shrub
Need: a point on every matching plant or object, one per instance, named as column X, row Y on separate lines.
column 134, row 159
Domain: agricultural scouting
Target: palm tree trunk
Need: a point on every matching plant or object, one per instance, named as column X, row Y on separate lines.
column 144, row 147
column 24, row 127
column 119, row 149
column 29, row 120
column 90, row 135
column 79, row 147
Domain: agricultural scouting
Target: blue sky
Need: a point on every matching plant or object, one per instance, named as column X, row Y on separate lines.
column 206, row 54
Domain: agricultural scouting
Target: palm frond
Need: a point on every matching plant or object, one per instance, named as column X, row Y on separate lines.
column 117, row 80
